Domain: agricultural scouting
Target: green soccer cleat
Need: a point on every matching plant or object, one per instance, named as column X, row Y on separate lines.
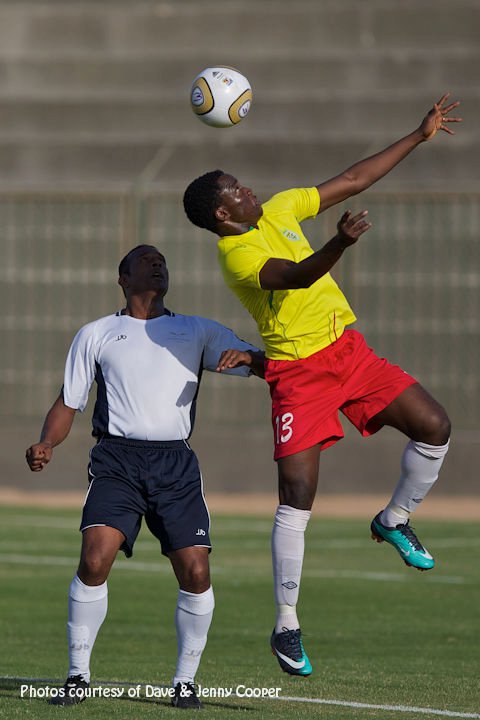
column 405, row 543
column 287, row 646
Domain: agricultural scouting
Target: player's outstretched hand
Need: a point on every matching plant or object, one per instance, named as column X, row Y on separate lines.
column 38, row 456
column 350, row 227
column 438, row 117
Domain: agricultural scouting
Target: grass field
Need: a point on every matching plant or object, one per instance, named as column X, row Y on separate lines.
column 377, row 633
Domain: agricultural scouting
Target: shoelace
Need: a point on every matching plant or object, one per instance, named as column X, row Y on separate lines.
column 293, row 638
column 75, row 680
column 407, row 531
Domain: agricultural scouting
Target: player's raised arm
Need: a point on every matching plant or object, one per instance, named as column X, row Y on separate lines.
column 56, row 427
column 360, row 176
column 280, row 274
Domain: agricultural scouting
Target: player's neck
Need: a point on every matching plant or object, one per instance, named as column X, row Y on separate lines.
column 145, row 306
column 231, row 228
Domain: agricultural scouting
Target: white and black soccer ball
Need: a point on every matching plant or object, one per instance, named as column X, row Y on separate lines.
column 221, row 96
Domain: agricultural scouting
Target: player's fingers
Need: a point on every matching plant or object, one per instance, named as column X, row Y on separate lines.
column 450, row 107
column 443, row 99
column 361, row 227
column 447, row 130
column 360, row 215
column 33, row 457
column 227, row 359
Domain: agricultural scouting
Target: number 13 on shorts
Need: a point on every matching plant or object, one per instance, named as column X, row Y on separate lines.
column 283, row 427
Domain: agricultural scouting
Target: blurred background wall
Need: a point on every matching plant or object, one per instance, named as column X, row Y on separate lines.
column 97, row 143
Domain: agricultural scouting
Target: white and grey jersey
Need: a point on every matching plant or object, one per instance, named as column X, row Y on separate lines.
column 147, row 372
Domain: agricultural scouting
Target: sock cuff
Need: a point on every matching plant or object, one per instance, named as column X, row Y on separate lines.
column 87, row 593
column 196, row 603
column 431, row 451
column 290, row 518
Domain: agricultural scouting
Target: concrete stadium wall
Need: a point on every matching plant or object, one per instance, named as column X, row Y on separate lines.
column 95, row 94
column 91, row 91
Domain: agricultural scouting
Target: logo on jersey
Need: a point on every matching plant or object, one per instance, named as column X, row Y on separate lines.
column 290, row 235
column 200, row 532
column 179, row 337
column 120, row 337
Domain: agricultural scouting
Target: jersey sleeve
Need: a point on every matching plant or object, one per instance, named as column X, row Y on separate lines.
column 219, row 338
column 241, row 265
column 304, row 203
column 79, row 369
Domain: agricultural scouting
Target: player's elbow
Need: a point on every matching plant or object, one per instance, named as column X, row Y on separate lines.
column 284, row 275
column 356, row 182
column 285, row 282
column 297, row 279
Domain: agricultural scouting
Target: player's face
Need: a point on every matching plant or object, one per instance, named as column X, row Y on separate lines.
column 147, row 271
column 238, row 201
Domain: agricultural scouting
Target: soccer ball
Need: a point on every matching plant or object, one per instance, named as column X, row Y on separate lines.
column 221, row 96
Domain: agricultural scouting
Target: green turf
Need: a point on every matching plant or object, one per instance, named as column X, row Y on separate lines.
column 376, row 632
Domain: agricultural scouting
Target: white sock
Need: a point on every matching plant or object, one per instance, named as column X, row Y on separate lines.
column 421, row 464
column 193, row 616
column 87, row 608
column 288, row 545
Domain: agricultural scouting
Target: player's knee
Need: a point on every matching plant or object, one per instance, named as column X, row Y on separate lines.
column 94, row 568
column 438, row 427
column 195, row 576
column 297, row 492
column 298, row 479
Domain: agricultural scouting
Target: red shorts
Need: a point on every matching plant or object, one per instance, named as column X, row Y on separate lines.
column 307, row 394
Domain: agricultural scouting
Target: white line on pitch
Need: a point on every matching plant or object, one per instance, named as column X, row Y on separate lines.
column 382, row 576
column 137, row 566
column 392, row 708
column 56, row 523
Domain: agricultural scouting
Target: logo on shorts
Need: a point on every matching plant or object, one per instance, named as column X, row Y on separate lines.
column 120, row 337
column 200, row 532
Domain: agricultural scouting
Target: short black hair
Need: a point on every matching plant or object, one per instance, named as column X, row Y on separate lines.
column 124, row 266
column 202, row 198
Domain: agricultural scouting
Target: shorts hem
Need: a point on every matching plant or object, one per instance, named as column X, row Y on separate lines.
column 181, row 547
column 324, row 442
column 126, row 546
column 367, row 431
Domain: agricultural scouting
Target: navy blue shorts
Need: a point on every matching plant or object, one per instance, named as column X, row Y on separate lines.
column 161, row 481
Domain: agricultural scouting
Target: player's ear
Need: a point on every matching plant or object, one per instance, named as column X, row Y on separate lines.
column 122, row 281
column 222, row 214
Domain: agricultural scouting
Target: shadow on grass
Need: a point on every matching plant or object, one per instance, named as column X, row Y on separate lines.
column 206, row 705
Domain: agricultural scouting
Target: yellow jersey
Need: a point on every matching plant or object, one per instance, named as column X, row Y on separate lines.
column 293, row 323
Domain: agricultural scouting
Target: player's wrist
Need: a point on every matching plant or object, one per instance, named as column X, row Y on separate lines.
column 418, row 136
column 340, row 242
column 47, row 443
